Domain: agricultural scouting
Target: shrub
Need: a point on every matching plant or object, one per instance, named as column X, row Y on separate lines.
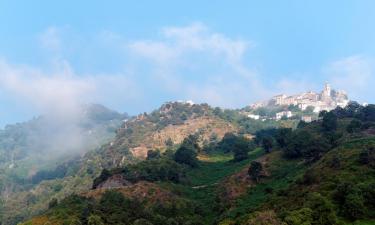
column 241, row 149
column 255, row 170
column 153, row 154
column 267, row 144
column 52, row 203
column 323, row 211
column 186, row 155
column 354, row 126
column 263, row 218
column 354, row 205
column 105, row 174
column 329, row 121
column 301, row 216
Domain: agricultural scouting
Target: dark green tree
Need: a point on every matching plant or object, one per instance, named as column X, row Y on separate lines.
column 354, row 205
column 95, row 220
column 283, row 136
column 52, row 203
column 267, row 144
column 169, row 143
column 354, row 126
column 323, row 210
column 105, row 174
column 255, row 170
column 329, row 121
column 187, row 152
column 241, row 149
column 153, row 154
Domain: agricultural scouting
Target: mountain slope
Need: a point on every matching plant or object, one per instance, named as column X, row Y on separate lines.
column 38, row 152
column 319, row 173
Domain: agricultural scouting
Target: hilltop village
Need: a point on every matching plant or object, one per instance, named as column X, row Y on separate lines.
column 328, row 99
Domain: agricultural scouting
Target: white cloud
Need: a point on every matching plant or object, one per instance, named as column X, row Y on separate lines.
column 50, row 39
column 59, row 97
column 59, row 92
column 354, row 74
column 214, row 60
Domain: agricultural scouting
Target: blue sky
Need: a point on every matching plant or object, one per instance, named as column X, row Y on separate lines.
column 134, row 55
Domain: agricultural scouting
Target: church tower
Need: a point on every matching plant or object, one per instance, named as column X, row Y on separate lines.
column 325, row 95
column 327, row 89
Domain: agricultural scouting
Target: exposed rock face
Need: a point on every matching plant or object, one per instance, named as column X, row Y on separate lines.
column 114, row 181
column 206, row 126
column 142, row 190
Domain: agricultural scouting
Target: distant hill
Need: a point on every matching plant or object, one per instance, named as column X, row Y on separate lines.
column 46, row 147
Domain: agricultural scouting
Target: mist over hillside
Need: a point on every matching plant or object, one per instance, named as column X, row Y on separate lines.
column 51, row 136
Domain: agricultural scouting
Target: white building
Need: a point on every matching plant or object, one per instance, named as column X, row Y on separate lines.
column 327, row 99
column 253, row 116
column 282, row 114
column 307, row 119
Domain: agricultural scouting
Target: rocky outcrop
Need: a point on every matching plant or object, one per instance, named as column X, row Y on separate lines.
column 114, row 181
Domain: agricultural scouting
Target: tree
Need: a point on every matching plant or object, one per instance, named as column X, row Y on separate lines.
column 322, row 113
column 105, row 174
column 240, row 149
column 191, row 141
column 354, row 205
column 153, row 154
column 283, row 136
column 329, row 121
column 95, row 220
column 309, row 109
column 187, row 152
column 301, row 124
column 301, row 216
column 353, row 108
column 299, row 141
column 267, row 143
column 142, row 222
column 227, row 143
column 52, row 203
column 368, row 113
column 255, row 170
column 365, row 156
column 354, row 126
column 264, row 218
column 169, row 143
column 323, row 211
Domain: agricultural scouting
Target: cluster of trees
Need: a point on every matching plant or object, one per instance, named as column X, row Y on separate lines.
column 155, row 169
column 355, row 200
column 309, row 142
column 171, row 165
column 239, row 145
column 176, row 113
column 113, row 208
column 188, row 151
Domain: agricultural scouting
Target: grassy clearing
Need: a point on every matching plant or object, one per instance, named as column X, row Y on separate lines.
column 202, row 186
column 283, row 173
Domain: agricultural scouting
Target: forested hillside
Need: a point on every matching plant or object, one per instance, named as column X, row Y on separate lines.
column 321, row 172
column 161, row 130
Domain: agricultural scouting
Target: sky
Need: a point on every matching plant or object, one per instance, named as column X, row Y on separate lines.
column 132, row 56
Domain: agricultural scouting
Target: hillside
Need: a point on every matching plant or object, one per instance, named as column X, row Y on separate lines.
column 162, row 129
column 47, row 148
column 319, row 173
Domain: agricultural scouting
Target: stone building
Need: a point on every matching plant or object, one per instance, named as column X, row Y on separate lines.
column 327, row 99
